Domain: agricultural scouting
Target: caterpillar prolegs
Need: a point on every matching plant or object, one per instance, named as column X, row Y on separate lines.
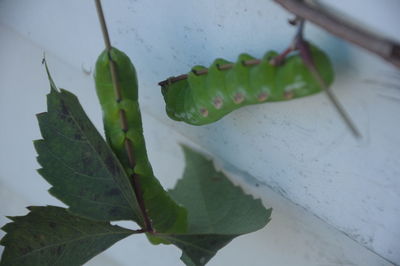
column 206, row 95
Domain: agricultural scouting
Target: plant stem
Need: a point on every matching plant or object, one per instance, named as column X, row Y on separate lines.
column 123, row 121
column 305, row 54
column 387, row 49
column 106, row 37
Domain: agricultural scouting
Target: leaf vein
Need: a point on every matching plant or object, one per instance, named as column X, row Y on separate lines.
column 72, row 169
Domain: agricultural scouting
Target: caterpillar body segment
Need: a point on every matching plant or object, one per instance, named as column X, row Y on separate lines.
column 114, row 131
column 207, row 95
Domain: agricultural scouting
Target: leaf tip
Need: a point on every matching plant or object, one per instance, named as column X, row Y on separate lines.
column 53, row 86
column 39, row 115
column 12, row 218
column 38, row 144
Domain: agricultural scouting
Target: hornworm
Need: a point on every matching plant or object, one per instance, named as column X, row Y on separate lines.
column 124, row 133
column 206, row 95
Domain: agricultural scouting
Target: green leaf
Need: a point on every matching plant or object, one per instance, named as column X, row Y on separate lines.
column 198, row 249
column 52, row 236
column 218, row 211
column 84, row 172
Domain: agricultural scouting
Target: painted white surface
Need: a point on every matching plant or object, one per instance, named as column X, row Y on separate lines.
column 293, row 237
column 300, row 149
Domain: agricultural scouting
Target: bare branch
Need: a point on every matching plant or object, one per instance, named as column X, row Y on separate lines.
column 387, row 49
column 305, row 53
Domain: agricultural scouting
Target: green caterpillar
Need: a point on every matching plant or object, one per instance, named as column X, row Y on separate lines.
column 205, row 95
column 126, row 139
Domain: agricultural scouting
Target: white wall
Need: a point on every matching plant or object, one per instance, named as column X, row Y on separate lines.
column 298, row 150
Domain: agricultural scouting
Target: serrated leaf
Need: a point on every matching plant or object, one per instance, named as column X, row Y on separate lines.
column 84, row 172
column 52, row 236
column 218, row 211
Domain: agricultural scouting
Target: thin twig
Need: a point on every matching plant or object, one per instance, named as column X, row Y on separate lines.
column 305, row 54
column 123, row 121
column 106, row 37
column 387, row 49
column 277, row 60
column 103, row 25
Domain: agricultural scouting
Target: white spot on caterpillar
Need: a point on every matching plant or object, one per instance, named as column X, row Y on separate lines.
column 238, row 98
column 204, row 112
column 298, row 84
column 263, row 96
column 218, row 102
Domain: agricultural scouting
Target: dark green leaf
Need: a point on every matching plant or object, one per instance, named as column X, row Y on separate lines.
column 52, row 236
column 198, row 249
column 218, row 211
column 84, row 172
